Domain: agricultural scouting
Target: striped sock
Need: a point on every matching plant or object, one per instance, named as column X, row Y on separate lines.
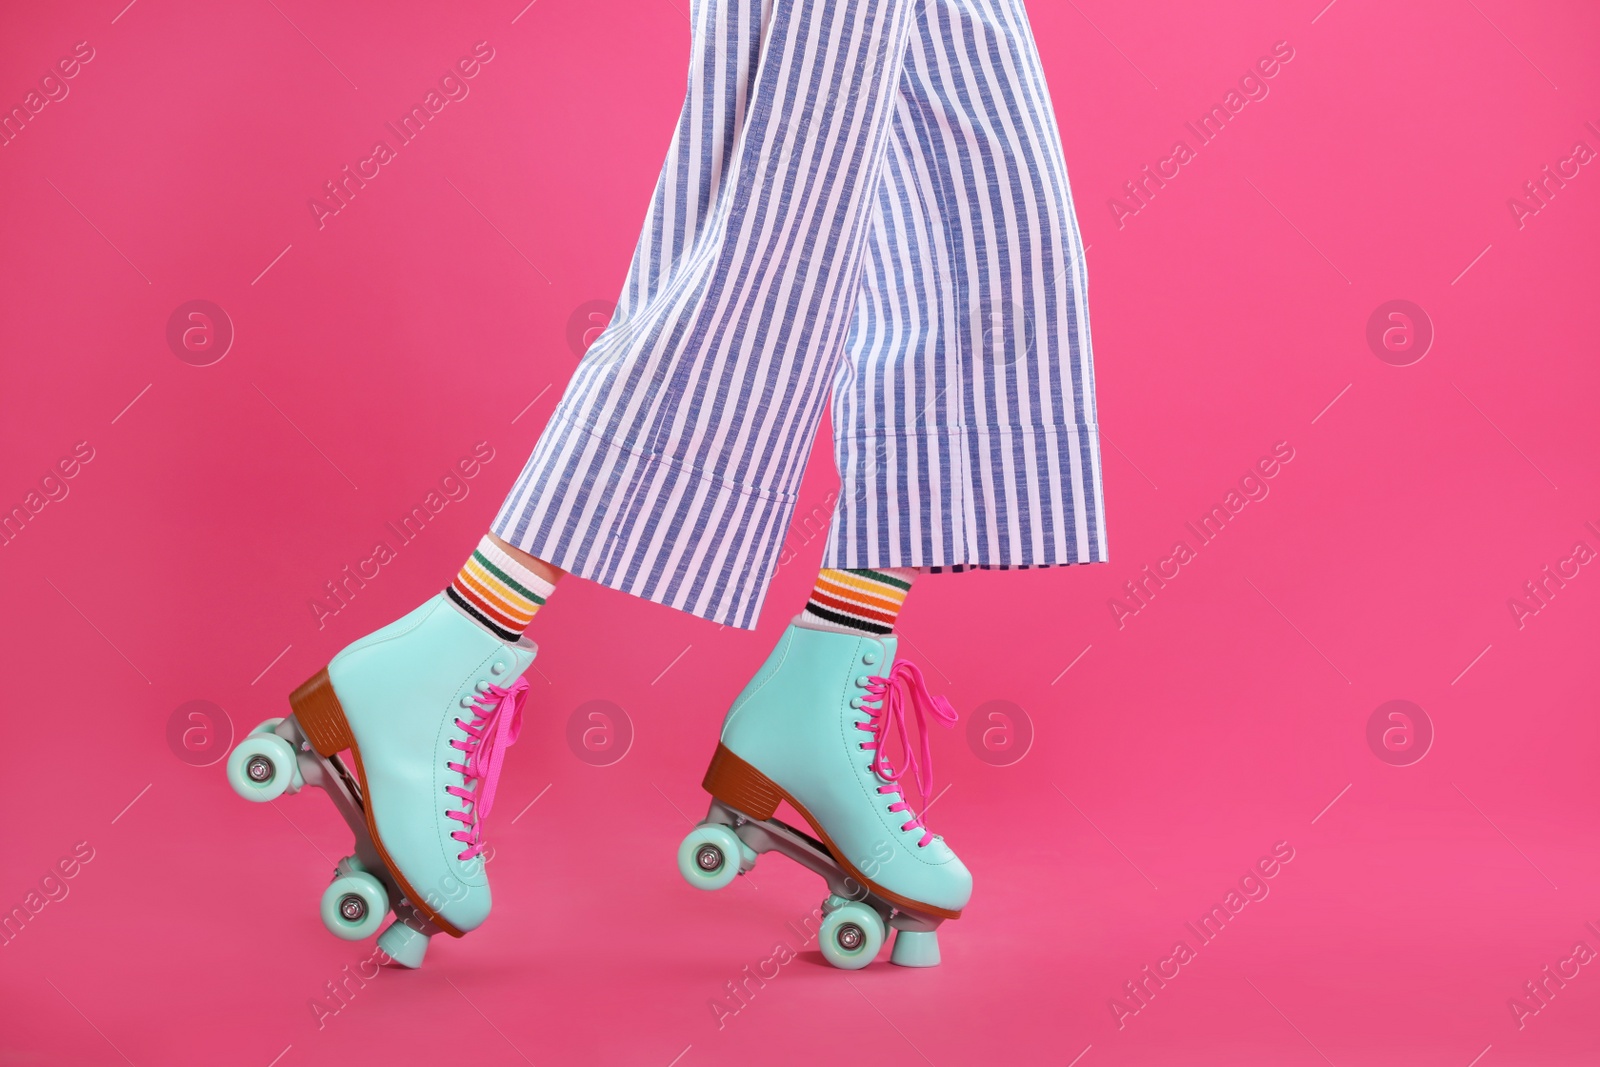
column 497, row 591
column 858, row 601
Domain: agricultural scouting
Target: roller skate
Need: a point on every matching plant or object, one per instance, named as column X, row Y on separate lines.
column 812, row 729
column 405, row 730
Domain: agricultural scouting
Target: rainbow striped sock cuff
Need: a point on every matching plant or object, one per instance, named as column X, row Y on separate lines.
column 497, row 591
column 860, row 601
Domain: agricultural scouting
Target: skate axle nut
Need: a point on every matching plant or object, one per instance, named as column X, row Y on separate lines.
column 851, row 935
column 262, row 766
column 354, row 904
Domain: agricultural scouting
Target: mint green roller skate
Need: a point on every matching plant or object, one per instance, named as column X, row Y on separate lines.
column 426, row 708
column 812, row 729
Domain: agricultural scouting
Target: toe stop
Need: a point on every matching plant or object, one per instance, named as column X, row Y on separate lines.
column 916, row 948
column 406, row 946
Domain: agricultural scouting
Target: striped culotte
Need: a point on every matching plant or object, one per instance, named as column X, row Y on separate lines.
column 867, row 195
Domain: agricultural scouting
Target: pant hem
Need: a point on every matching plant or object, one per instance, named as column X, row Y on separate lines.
column 609, row 529
column 967, row 521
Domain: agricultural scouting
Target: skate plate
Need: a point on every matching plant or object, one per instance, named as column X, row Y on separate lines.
column 850, row 938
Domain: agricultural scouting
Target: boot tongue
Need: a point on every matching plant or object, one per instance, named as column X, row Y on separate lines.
column 891, row 644
column 522, row 655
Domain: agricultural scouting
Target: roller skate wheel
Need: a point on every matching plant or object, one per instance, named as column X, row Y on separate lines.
column 262, row 767
column 851, row 935
column 711, row 856
column 267, row 726
column 354, row 906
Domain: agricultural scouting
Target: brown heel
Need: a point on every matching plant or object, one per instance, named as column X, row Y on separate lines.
column 740, row 786
column 320, row 715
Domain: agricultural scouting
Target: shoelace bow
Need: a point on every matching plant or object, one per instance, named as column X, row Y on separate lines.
column 904, row 685
column 497, row 720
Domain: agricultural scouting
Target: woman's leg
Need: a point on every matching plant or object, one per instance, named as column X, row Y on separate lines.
column 858, row 601
column 964, row 417
column 501, row 588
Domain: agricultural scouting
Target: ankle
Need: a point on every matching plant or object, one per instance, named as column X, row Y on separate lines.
column 865, row 601
column 549, row 572
column 498, row 591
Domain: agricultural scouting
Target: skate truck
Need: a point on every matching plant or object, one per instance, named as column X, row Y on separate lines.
column 855, row 920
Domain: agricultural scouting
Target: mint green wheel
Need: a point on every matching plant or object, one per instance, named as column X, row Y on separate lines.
column 354, row 906
column 710, row 856
column 851, row 935
column 262, row 767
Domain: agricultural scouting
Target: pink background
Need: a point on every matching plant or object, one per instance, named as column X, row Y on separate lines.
column 433, row 312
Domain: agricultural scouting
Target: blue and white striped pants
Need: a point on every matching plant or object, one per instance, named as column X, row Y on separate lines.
column 867, row 195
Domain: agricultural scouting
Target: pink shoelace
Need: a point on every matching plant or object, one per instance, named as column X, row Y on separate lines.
column 892, row 699
column 497, row 720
